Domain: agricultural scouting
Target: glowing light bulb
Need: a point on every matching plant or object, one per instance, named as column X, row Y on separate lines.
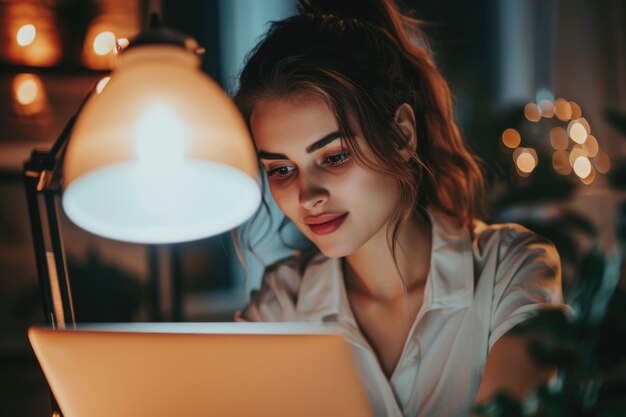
column 123, row 43
column 26, row 34
column 582, row 166
column 576, row 110
column 511, row 138
column 104, row 43
column 160, row 140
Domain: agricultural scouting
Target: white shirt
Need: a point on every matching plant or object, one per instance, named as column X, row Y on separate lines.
column 478, row 288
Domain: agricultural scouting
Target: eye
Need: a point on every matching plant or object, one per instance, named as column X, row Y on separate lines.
column 281, row 172
column 338, row 159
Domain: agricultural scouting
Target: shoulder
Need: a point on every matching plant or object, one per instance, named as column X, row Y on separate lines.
column 512, row 247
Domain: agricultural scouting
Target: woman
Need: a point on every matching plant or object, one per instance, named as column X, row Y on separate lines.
column 353, row 125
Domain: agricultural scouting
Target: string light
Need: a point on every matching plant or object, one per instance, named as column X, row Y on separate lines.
column 582, row 166
column 577, row 131
column 558, row 138
column 581, row 155
column 511, row 138
column 546, row 108
column 26, row 34
column 104, row 43
column 532, row 113
column 563, row 109
column 560, row 162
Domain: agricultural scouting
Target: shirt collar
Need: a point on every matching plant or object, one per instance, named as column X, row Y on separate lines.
column 450, row 283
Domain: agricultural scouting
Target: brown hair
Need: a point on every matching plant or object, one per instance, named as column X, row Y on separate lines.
column 365, row 59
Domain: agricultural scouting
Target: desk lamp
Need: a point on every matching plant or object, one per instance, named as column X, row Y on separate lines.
column 161, row 155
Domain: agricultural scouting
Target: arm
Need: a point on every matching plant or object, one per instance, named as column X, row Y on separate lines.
column 510, row 367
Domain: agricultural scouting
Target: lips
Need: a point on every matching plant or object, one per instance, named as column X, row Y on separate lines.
column 322, row 218
column 325, row 223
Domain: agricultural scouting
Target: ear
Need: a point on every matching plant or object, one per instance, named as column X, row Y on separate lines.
column 404, row 119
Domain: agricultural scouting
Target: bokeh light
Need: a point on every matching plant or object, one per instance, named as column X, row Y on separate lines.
column 525, row 160
column 546, row 108
column 582, row 166
column 575, row 152
column 591, row 144
column 28, row 94
column 563, row 109
column 589, row 178
column 104, row 43
column 602, row 163
column 26, row 34
column 27, row 90
column 577, row 131
column 532, row 113
column 576, row 110
column 560, row 162
column 585, row 123
column 558, row 138
column 511, row 138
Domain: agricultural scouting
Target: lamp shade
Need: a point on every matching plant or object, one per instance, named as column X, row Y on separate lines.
column 161, row 155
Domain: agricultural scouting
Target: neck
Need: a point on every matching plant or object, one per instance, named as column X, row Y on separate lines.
column 371, row 270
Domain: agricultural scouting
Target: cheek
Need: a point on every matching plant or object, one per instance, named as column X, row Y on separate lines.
column 286, row 199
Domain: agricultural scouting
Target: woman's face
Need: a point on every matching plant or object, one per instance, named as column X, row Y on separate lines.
column 336, row 202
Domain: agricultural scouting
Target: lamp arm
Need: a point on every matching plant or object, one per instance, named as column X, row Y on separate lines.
column 42, row 182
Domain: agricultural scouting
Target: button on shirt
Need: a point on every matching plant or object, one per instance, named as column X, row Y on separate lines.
column 480, row 285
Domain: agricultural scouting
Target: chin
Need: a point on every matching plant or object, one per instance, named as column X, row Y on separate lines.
column 335, row 251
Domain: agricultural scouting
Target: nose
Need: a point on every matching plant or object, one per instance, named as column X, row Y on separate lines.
column 312, row 195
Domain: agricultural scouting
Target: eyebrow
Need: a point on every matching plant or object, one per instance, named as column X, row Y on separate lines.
column 309, row 149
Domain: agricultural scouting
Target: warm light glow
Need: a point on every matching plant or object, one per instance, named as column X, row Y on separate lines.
column 27, row 89
column 602, row 163
column 563, row 109
column 546, row 108
column 160, row 139
column 591, row 144
column 575, row 152
column 161, row 156
column 585, row 123
column 102, row 83
column 544, row 94
column 582, row 166
column 511, row 138
column 589, row 178
column 26, row 35
column 526, row 161
column 532, row 113
column 123, row 43
column 576, row 110
column 560, row 162
column 577, row 132
column 104, row 43
column 558, row 138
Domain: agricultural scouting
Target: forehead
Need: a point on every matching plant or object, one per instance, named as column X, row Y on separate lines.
column 298, row 119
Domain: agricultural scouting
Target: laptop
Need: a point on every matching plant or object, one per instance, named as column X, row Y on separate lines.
column 201, row 369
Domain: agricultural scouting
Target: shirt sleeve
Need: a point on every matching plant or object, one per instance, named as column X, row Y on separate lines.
column 275, row 301
column 528, row 279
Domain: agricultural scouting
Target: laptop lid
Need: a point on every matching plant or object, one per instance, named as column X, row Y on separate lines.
column 200, row 369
